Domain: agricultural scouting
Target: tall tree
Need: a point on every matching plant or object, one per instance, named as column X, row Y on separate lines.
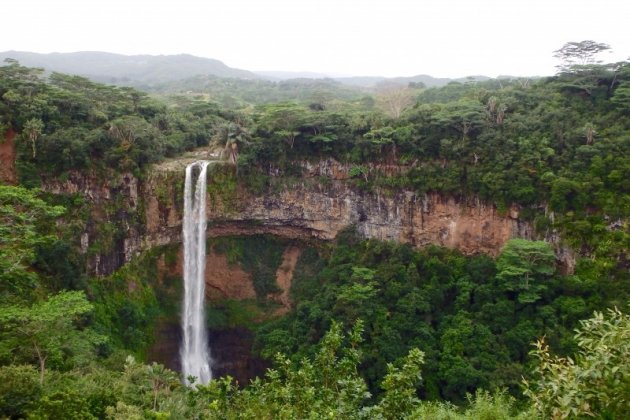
column 523, row 266
column 575, row 55
column 283, row 120
column 394, row 100
column 32, row 130
column 45, row 330
column 26, row 222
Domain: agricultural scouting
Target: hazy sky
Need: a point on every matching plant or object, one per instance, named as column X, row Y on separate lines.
column 448, row 38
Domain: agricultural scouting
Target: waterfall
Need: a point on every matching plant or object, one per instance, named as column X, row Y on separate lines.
column 194, row 352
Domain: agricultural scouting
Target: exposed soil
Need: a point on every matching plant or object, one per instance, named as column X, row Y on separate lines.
column 227, row 281
column 284, row 278
column 7, row 158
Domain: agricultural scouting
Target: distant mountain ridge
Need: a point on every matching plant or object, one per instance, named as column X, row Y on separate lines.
column 128, row 69
column 144, row 71
column 370, row 81
column 426, row 80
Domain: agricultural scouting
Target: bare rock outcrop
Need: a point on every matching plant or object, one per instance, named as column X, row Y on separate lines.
column 313, row 210
column 316, row 207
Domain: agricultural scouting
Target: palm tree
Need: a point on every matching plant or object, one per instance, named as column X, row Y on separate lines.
column 231, row 136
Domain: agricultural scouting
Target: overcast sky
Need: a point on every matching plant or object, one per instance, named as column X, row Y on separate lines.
column 443, row 38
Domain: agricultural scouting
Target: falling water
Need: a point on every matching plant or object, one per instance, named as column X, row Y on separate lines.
column 194, row 351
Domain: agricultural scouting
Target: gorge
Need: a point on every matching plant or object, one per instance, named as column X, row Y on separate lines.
column 312, row 209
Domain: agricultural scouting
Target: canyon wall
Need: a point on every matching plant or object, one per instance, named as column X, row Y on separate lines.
column 143, row 214
column 113, row 228
column 325, row 201
column 316, row 206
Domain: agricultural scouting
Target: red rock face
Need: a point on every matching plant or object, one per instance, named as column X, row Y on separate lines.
column 7, row 158
column 223, row 280
column 230, row 281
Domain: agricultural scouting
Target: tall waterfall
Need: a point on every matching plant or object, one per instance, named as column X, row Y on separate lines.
column 194, row 352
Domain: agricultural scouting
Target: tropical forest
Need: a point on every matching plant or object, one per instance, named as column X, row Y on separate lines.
column 223, row 246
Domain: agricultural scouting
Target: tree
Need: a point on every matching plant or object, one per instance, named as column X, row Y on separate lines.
column 46, row 330
column 26, row 222
column 359, row 170
column 523, row 266
column 389, row 138
column 327, row 385
column 580, row 70
column 469, row 355
column 19, row 388
column 231, row 136
column 284, row 120
column 622, row 95
column 394, row 100
column 594, row 383
column 481, row 406
column 400, row 387
column 139, row 142
column 62, row 405
column 353, row 299
column 161, row 380
column 463, row 116
column 575, row 55
column 589, row 132
column 145, row 384
column 32, row 130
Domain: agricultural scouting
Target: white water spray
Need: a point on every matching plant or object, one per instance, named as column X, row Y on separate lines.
column 194, row 352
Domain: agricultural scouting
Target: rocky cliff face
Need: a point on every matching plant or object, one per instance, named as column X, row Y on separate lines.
column 325, row 202
column 225, row 280
column 112, row 233
column 315, row 207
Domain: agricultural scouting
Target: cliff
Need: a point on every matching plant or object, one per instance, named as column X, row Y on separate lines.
column 316, row 206
column 325, row 202
column 112, row 230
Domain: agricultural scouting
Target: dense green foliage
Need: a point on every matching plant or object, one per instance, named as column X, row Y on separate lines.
column 70, row 123
column 127, row 305
column 473, row 317
column 46, row 332
column 596, row 382
column 26, row 225
column 241, row 93
column 473, row 329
